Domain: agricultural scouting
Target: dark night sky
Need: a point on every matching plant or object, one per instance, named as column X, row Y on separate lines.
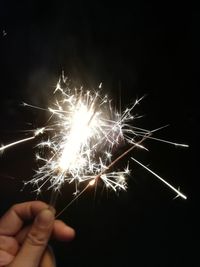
column 134, row 49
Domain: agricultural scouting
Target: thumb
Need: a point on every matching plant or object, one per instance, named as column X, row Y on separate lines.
column 36, row 241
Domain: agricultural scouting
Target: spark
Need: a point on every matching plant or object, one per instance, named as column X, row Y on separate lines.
column 161, row 179
column 2, row 148
column 36, row 133
column 82, row 138
column 4, row 33
column 85, row 133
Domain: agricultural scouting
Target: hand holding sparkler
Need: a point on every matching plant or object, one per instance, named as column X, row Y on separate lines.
column 26, row 246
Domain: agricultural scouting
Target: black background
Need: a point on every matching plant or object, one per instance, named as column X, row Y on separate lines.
column 134, row 49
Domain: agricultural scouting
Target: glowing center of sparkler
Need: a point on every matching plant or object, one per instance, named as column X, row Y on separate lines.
column 82, row 123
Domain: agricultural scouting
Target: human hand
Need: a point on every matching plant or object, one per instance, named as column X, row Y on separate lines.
column 23, row 245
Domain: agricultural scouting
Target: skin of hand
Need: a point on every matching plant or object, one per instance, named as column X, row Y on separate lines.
column 23, row 245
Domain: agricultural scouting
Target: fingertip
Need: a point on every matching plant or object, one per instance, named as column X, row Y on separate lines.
column 5, row 258
column 45, row 218
column 52, row 209
column 69, row 233
column 63, row 232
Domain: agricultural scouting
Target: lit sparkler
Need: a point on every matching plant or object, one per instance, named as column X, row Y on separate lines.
column 84, row 132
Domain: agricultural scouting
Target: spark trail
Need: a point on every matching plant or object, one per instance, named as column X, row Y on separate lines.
column 36, row 133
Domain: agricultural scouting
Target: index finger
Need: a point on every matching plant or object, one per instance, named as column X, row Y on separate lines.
column 14, row 218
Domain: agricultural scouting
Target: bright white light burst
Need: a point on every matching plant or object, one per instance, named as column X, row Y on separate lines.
column 84, row 134
column 84, row 131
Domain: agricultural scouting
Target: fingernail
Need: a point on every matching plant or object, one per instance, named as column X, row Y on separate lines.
column 52, row 209
column 45, row 218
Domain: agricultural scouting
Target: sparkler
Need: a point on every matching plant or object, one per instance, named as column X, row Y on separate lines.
column 84, row 134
